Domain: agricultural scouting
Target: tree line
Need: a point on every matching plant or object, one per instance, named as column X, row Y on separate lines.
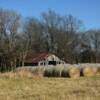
column 61, row 35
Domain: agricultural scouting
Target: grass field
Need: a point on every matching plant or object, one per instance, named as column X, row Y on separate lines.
column 40, row 88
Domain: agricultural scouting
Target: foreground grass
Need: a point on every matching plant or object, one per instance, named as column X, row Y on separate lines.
column 37, row 88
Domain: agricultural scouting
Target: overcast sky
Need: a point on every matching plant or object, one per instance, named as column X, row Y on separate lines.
column 86, row 10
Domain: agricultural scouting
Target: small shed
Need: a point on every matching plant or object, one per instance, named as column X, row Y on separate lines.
column 42, row 59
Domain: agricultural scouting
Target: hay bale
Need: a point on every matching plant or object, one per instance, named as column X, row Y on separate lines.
column 23, row 69
column 24, row 72
column 38, row 71
column 74, row 72
column 87, row 71
column 48, row 71
column 54, row 71
column 95, row 69
column 64, row 72
column 98, row 71
column 71, row 71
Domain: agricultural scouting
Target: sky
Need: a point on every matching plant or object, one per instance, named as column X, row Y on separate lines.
column 86, row 10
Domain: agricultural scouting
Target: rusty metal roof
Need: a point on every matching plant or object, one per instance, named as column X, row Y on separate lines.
column 36, row 57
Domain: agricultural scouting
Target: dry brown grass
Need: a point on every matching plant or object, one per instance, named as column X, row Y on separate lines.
column 16, row 74
column 38, row 88
column 21, row 72
column 24, row 84
column 8, row 75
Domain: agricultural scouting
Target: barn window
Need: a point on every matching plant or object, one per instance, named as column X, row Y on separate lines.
column 52, row 62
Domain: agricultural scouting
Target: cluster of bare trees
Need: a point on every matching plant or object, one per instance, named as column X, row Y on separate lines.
column 52, row 33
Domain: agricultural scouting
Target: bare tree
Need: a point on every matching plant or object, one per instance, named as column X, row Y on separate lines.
column 9, row 24
column 92, row 39
column 50, row 22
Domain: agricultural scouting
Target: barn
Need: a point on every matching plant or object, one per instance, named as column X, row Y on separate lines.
column 42, row 59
